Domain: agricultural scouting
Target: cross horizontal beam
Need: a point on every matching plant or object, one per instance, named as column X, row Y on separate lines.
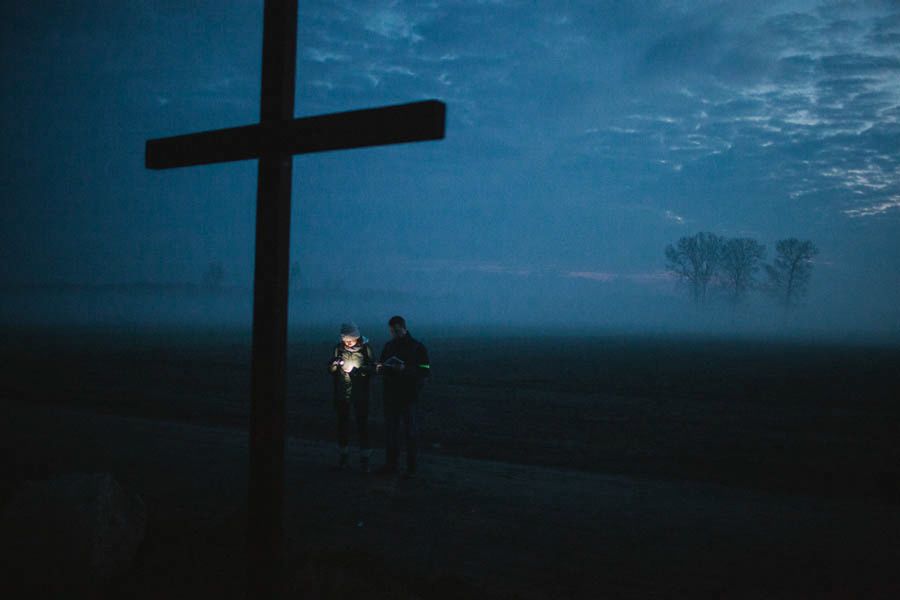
column 397, row 124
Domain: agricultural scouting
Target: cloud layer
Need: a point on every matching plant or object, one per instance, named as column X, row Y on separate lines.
column 582, row 137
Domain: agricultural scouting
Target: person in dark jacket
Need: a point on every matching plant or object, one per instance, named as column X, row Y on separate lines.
column 405, row 369
column 352, row 365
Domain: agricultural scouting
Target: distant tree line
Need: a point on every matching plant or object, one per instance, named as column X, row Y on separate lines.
column 705, row 262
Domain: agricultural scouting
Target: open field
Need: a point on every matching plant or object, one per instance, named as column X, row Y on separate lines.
column 645, row 466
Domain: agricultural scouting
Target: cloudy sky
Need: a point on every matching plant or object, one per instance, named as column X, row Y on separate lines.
column 582, row 138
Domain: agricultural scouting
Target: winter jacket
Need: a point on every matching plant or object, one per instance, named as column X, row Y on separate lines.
column 353, row 378
column 407, row 384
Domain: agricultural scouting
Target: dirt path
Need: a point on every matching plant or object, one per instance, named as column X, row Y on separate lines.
column 464, row 527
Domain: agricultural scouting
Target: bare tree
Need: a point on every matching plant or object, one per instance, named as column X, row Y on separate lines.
column 695, row 261
column 789, row 273
column 740, row 261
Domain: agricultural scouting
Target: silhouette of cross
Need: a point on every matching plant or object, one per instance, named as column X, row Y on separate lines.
column 273, row 141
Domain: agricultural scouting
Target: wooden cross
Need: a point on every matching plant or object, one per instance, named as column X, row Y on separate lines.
column 273, row 141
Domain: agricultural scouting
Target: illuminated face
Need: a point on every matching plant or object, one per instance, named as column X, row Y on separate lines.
column 397, row 330
column 350, row 342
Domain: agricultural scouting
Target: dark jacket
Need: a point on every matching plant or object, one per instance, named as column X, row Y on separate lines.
column 349, row 386
column 406, row 384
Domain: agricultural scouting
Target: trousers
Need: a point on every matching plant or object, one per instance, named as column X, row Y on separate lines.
column 400, row 412
column 360, row 408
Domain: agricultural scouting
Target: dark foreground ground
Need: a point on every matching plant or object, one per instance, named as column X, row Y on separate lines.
column 609, row 466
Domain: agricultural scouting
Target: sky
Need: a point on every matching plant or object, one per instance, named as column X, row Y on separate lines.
column 582, row 137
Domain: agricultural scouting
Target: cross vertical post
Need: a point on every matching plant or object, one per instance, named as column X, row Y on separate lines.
column 265, row 543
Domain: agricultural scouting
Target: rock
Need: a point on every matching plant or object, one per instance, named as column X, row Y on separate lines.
column 75, row 531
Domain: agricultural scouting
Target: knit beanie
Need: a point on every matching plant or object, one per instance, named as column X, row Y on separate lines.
column 350, row 330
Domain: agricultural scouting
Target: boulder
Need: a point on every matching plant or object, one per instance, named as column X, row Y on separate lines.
column 75, row 531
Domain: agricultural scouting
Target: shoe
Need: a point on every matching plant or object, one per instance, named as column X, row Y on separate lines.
column 407, row 474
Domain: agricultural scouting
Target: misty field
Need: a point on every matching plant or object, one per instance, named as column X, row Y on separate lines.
column 702, row 435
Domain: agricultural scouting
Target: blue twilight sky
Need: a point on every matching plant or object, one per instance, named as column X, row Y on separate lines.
column 582, row 138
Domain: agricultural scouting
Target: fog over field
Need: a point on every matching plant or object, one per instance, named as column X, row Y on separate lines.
column 582, row 139
column 562, row 306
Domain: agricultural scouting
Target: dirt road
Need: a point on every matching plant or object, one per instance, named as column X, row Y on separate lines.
column 465, row 528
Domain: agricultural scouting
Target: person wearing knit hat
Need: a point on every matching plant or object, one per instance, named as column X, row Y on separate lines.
column 351, row 366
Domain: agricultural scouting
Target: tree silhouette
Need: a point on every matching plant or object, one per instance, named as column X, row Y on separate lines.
column 740, row 261
column 789, row 273
column 695, row 261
